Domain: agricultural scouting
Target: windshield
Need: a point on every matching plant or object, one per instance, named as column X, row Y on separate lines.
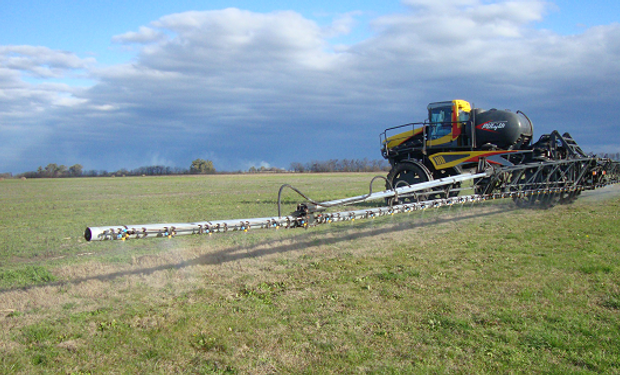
column 440, row 122
column 440, row 114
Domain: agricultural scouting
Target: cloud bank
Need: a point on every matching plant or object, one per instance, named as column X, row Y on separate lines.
column 235, row 86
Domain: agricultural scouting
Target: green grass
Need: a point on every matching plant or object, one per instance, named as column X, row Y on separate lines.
column 482, row 289
column 25, row 276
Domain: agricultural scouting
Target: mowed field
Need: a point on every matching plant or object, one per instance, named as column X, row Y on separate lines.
column 485, row 288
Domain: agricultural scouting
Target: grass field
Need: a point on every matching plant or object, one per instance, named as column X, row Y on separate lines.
column 476, row 289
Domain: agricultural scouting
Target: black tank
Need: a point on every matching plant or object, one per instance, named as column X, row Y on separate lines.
column 502, row 129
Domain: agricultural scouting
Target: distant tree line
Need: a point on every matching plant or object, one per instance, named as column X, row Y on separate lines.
column 61, row 171
column 54, row 170
column 613, row 156
column 198, row 166
column 344, row 165
column 264, row 169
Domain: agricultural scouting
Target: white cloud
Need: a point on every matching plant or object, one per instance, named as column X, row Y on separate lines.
column 143, row 36
column 342, row 25
column 247, row 165
column 434, row 5
column 40, row 61
column 233, row 39
column 21, row 99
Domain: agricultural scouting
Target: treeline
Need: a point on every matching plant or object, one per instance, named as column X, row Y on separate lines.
column 200, row 166
column 61, row 171
column 613, row 156
column 54, row 170
column 344, row 165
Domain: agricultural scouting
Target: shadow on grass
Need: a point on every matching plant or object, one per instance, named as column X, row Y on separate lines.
column 267, row 247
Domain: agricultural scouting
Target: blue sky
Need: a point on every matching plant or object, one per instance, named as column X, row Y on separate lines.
column 115, row 84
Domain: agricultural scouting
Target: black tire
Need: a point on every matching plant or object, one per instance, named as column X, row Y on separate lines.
column 405, row 174
column 449, row 172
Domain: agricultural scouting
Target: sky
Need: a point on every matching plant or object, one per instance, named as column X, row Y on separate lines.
column 124, row 84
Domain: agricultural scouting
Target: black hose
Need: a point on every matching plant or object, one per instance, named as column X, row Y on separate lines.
column 360, row 199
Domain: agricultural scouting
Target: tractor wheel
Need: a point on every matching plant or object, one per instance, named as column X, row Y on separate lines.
column 405, row 174
column 449, row 172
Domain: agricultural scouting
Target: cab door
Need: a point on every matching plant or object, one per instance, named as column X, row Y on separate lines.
column 440, row 127
column 447, row 123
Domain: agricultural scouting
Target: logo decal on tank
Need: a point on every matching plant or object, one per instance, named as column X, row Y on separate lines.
column 492, row 126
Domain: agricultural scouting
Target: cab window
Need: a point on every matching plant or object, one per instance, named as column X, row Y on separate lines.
column 440, row 122
column 463, row 116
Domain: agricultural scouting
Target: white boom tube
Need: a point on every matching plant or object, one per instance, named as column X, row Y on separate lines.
column 123, row 232
column 405, row 189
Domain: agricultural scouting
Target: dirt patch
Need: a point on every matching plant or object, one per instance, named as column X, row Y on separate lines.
column 71, row 345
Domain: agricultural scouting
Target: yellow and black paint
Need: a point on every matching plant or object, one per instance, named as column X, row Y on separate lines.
column 443, row 160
